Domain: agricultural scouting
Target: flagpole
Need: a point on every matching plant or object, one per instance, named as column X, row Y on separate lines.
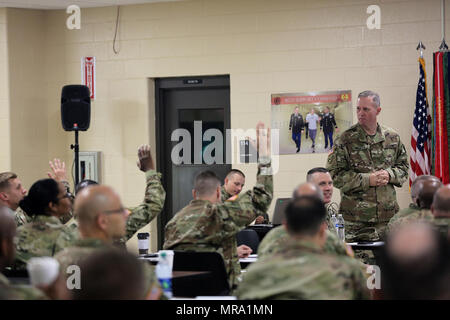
column 443, row 45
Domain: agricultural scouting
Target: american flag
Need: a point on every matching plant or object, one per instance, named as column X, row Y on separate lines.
column 420, row 159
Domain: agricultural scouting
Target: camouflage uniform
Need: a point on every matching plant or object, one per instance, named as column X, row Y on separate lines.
column 21, row 217
column 442, row 224
column 84, row 247
column 413, row 208
column 367, row 210
column 259, row 212
column 19, row 292
column 45, row 236
column 273, row 243
column 204, row 226
column 301, row 270
column 140, row 216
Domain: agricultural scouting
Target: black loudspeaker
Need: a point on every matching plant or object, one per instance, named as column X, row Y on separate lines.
column 75, row 107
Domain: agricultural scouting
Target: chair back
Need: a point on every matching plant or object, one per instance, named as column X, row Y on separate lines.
column 213, row 283
column 250, row 238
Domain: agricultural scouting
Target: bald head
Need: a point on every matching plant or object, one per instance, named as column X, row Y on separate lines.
column 7, row 233
column 91, row 201
column 411, row 241
column 417, row 185
column 308, row 189
column 415, row 263
column 441, row 202
column 426, row 193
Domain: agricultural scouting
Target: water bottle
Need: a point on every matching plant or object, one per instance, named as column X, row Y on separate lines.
column 333, row 221
column 164, row 274
column 340, row 227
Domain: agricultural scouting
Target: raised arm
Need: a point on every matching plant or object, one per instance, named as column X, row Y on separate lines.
column 155, row 194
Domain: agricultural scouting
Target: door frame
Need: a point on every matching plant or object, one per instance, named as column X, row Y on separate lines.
column 163, row 141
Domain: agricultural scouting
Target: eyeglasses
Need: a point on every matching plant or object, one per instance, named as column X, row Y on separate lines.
column 66, row 195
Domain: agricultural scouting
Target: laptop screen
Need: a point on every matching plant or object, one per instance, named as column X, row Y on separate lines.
column 280, row 207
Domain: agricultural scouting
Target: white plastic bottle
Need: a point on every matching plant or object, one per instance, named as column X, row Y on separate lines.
column 340, row 227
column 164, row 274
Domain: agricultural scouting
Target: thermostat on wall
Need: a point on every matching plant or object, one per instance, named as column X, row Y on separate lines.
column 90, row 162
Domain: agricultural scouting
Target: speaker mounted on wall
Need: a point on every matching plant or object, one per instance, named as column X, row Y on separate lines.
column 75, row 107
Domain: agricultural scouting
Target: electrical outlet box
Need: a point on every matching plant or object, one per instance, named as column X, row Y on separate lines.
column 90, row 165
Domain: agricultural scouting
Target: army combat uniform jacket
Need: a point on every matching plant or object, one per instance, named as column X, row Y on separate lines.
column 274, row 240
column 43, row 237
column 19, row 292
column 140, row 216
column 204, row 226
column 354, row 157
column 301, row 270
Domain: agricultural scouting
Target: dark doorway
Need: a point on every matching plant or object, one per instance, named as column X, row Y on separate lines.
column 180, row 104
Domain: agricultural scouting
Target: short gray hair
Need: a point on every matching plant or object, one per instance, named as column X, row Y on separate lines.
column 375, row 97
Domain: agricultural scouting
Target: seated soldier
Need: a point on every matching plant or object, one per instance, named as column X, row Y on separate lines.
column 11, row 193
column 111, row 275
column 302, row 270
column 7, row 254
column 102, row 219
column 441, row 210
column 207, row 224
column 425, row 195
column 272, row 242
column 46, row 202
column 413, row 207
column 155, row 195
column 416, row 263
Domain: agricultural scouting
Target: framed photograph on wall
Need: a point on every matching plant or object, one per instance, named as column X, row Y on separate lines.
column 308, row 122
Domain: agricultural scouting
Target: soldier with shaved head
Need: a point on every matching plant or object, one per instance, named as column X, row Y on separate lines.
column 275, row 238
column 441, row 209
column 413, row 207
column 416, row 263
column 101, row 220
column 425, row 194
column 302, row 270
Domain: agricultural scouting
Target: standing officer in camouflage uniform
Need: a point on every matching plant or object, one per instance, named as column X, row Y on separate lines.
column 366, row 162
column 102, row 219
column 207, row 224
column 301, row 269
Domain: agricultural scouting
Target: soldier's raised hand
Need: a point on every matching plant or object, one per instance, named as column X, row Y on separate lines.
column 145, row 161
column 59, row 170
column 263, row 140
